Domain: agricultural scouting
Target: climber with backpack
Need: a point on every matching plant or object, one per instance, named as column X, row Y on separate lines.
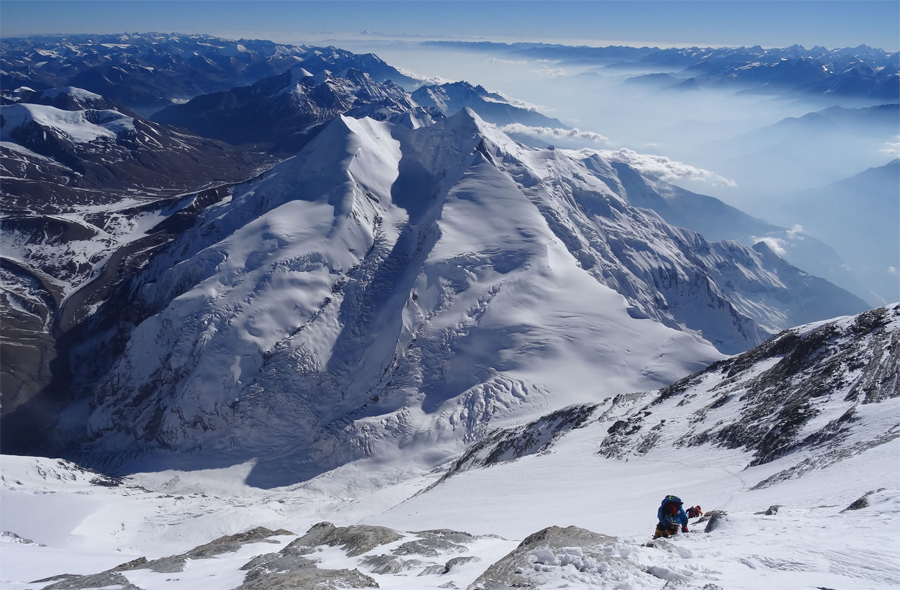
column 694, row 512
column 670, row 516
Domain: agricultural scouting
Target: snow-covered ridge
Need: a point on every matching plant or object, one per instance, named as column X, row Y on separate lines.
column 817, row 395
column 77, row 126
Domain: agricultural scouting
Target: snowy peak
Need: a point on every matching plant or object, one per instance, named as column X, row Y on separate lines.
column 21, row 120
column 67, row 98
column 389, row 287
column 452, row 97
column 401, row 282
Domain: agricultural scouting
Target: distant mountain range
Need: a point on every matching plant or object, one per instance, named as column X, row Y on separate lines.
column 284, row 112
column 147, row 72
column 859, row 72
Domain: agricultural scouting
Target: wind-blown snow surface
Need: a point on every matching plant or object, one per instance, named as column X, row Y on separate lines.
column 390, row 287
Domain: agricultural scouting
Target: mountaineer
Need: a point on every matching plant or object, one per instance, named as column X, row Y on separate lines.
column 670, row 516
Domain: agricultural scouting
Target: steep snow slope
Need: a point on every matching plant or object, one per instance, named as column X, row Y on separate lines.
column 391, row 287
column 819, row 394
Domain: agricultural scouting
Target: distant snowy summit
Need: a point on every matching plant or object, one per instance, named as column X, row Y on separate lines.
column 393, row 286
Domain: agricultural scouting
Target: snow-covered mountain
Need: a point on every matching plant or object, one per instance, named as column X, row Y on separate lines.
column 716, row 220
column 147, row 72
column 88, row 195
column 55, row 158
column 452, row 97
column 284, row 112
column 392, row 286
column 66, row 98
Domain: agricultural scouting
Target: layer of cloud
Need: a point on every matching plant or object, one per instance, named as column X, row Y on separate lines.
column 780, row 245
column 554, row 133
column 795, row 231
column 522, row 104
column 425, row 80
column 776, row 245
column 892, row 148
column 497, row 60
column 550, row 72
column 663, row 168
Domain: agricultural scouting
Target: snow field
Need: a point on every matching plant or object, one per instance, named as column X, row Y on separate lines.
column 809, row 542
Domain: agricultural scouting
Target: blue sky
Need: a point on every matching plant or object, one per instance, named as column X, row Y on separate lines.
column 723, row 22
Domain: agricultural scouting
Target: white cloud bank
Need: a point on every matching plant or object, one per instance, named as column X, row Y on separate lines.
column 550, row 72
column 530, row 106
column 892, row 148
column 497, row 60
column 663, row 168
column 779, row 245
column 554, row 133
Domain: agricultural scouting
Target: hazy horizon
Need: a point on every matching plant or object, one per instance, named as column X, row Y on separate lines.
column 654, row 24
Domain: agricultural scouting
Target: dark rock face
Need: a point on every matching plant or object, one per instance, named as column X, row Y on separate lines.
column 517, row 569
column 226, row 544
column 510, row 444
column 764, row 399
column 355, row 540
column 716, row 520
column 283, row 572
column 862, row 501
column 103, row 580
